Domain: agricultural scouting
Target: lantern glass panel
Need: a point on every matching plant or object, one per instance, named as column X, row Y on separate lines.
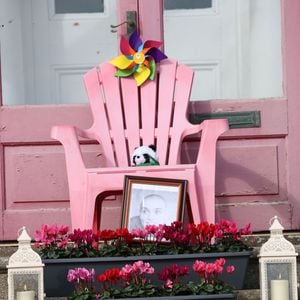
column 279, row 271
column 26, row 282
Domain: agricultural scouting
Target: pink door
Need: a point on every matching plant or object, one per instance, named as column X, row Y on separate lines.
column 257, row 164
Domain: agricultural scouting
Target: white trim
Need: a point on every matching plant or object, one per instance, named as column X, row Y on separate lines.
column 80, row 16
column 214, row 10
column 62, row 70
column 210, row 65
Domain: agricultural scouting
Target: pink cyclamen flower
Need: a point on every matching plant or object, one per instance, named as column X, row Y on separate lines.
column 127, row 269
column 199, row 266
column 247, row 230
column 54, row 235
column 63, row 243
column 142, row 267
column 218, row 269
column 139, row 233
column 63, row 229
column 53, row 230
column 71, row 277
column 169, row 284
column 219, row 233
column 137, row 265
column 210, row 268
column 230, row 269
column 220, row 262
column 91, row 274
column 81, row 274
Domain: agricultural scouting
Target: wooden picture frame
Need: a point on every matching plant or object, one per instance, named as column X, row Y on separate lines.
column 152, row 201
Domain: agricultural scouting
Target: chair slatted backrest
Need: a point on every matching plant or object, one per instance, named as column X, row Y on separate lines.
column 126, row 116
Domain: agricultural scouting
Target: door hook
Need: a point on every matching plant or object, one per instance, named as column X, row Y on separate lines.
column 130, row 21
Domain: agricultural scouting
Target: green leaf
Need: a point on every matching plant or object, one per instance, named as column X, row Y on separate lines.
column 209, row 288
column 219, row 287
column 106, row 295
column 52, row 254
column 124, row 73
column 152, row 69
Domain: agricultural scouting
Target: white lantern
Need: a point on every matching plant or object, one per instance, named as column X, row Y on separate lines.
column 25, row 271
column 278, row 266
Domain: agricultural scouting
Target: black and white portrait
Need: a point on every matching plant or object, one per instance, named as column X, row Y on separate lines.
column 152, row 202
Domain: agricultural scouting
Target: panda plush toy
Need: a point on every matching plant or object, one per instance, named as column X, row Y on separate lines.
column 144, row 156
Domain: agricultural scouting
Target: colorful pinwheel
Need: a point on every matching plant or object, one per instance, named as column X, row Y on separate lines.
column 138, row 58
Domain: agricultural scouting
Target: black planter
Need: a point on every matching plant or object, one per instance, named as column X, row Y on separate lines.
column 192, row 297
column 56, row 270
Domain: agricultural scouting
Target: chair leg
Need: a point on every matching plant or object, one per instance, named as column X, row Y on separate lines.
column 97, row 214
column 82, row 205
column 90, row 220
column 77, row 201
column 194, row 203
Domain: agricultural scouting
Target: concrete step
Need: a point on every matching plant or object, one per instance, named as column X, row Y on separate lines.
column 242, row 295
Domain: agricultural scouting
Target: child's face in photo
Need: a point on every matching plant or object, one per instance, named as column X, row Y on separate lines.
column 152, row 211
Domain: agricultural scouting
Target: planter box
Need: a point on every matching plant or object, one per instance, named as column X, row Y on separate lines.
column 56, row 270
column 192, row 297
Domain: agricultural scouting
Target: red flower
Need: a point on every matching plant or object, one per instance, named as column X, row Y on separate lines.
column 101, row 278
column 107, row 235
column 172, row 274
column 110, row 275
column 246, row 230
column 122, row 232
column 85, row 238
column 151, row 229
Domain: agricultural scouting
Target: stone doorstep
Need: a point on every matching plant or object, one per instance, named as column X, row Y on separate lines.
column 3, row 286
column 242, row 295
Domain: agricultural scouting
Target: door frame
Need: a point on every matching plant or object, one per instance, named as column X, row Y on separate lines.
column 291, row 60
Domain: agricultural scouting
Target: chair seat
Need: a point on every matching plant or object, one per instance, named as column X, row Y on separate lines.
column 99, row 179
column 141, row 169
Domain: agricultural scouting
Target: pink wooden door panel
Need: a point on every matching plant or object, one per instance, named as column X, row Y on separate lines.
column 258, row 169
column 34, row 186
column 252, row 172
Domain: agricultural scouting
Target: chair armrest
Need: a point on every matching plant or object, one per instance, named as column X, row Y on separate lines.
column 68, row 136
column 215, row 127
column 211, row 130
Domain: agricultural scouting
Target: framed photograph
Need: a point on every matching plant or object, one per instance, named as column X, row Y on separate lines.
column 152, row 201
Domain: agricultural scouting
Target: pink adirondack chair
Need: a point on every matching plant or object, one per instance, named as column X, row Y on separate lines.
column 126, row 116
